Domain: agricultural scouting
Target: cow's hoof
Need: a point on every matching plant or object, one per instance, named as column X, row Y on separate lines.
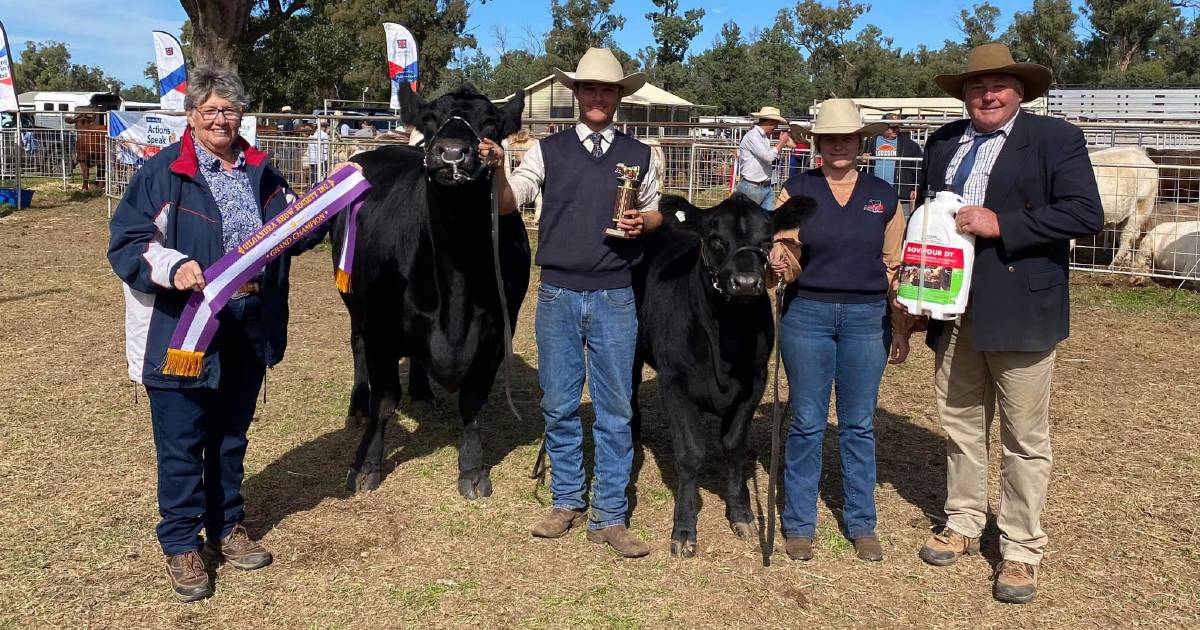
column 744, row 530
column 475, row 484
column 362, row 481
column 683, row 550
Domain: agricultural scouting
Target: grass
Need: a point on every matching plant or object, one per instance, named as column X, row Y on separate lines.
column 79, row 509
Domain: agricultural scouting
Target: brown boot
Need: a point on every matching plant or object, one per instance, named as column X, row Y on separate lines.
column 1016, row 582
column 798, row 548
column 868, row 548
column 558, row 522
column 241, row 552
column 943, row 549
column 189, row 577
column 619, row 538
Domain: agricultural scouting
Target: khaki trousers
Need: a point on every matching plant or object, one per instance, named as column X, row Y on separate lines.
column 967, row 385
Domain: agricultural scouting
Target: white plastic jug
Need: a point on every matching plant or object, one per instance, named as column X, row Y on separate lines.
column 935, row 277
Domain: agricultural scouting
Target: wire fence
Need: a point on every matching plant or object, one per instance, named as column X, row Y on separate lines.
column 1150, row 193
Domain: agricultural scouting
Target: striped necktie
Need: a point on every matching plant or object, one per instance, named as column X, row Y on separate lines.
column 968, row 161
column 597, row 150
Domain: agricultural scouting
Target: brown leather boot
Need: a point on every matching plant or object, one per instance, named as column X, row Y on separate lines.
column 1016, row 582
column 189, row 577
column 943, row 549
column 868, row 548
column 798, row 548
column 241, row 552
column 558, row 522
column 619, row 538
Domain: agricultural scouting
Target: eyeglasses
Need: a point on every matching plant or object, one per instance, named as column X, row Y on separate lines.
column 212, row 113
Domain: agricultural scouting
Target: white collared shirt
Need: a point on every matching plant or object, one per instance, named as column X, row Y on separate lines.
column 526, row 180
column 755, row 156
column 975, row 188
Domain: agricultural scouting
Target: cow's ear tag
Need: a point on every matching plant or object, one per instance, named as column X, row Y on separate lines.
column 681, row 216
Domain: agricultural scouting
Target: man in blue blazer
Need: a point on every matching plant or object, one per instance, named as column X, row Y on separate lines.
column 1030, row 189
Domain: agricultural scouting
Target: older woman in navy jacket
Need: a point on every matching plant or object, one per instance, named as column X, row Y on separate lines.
column 187, row 206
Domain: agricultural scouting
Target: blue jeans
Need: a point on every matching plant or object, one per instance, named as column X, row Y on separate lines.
column 593, row 332
column 761, row 195
column 200, row 438
column 824, row 344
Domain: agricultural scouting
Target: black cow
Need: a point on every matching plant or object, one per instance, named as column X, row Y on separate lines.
column 705, row 325
column 423, row 284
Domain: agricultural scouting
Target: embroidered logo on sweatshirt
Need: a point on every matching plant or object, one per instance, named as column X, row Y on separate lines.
column 874, row 206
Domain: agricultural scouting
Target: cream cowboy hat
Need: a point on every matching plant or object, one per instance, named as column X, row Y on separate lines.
column 996, row 59
column 838, row 116
column 600, row 65
column 285, row 108
column 768, row 113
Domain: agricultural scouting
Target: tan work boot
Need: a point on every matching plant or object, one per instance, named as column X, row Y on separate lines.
column 558, row 522
column 619, row 538
column 798, row 548
column 189, row 577
column 241, row 552
column 943, row 549
column 1016, row 582
column 868, row 548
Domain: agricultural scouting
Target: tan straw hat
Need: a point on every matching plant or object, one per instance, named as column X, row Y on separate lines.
column 768, row 113
column 996, row 59
column 840, row 115
column 600, row 65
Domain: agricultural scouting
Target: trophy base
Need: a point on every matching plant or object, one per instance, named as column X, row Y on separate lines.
column 616, row 233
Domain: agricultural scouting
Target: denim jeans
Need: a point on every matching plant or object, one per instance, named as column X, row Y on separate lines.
column 762, row 195
column 824, row 344
column 200, row 438
column 593, row 332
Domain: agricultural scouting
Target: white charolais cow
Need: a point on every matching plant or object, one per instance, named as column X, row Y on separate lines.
column 1172, row 248
column 1128, row 182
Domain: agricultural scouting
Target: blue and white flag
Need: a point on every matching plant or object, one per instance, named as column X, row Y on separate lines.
column 172, row 71
column 8, row 93
column 401, row 59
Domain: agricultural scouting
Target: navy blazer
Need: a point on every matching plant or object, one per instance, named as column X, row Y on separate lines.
column 1044, row 194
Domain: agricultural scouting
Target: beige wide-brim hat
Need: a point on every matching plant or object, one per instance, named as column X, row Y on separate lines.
column 600, row 65
column 285, row 108
column 839, row 116
column 768, row 113
column 996, row 59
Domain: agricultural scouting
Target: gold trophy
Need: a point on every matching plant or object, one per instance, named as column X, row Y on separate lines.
column 626, row 196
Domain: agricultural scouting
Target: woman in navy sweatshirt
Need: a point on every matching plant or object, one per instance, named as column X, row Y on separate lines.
column 835, row 327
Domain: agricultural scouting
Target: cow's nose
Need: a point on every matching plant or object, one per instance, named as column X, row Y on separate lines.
column 451, row 153
column 746, row 283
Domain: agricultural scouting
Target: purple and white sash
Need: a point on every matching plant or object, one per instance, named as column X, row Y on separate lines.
column 198, row 322
column 341, row 277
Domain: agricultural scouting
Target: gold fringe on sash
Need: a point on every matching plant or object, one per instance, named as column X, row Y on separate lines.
column 183, row 363
column 342, row 280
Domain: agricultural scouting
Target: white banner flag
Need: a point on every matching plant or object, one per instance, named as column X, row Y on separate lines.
column 172, row 71
column 8, row 93
column 140, row 136
column 401, row 59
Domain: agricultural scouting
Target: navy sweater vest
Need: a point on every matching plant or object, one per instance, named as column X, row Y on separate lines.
column 578, row 194
column 842, row 259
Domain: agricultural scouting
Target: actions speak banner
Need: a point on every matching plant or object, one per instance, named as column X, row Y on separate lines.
column 141, row 135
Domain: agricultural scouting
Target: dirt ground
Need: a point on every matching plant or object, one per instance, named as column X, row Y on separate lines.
column 77, row 486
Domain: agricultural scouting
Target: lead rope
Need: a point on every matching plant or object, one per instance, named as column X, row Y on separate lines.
column 507, row 360
column 776, row 429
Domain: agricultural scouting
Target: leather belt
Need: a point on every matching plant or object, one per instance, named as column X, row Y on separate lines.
column 250, row 288
column 763, row 183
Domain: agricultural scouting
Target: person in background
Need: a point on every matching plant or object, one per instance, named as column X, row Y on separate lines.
column 1030, row 189
column 835, row 332
column 287, row 125
column 365, row 129
column 894, row 142
column 317, row 156
column 756, row 157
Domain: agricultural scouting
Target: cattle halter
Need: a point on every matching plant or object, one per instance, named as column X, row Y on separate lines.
column 714, row 271
column 457, row 175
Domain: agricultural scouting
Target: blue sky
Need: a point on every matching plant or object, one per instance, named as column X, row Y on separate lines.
column 116, row 35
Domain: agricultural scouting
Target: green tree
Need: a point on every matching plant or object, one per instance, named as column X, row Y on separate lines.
column 577, row 25
column 719, row 73
column 673, row 32
column 1046, row 35
column 978, row 26
column 776, row 71
column 1123, row 32
column 517, row 69
column 47, row 66
column 821, row 32
column 139, row 93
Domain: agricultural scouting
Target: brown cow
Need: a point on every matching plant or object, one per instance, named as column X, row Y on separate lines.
column 90, row 132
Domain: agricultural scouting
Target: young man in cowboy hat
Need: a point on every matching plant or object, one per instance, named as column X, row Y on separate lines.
column 1030, row 190
column 755, row 156
column 586, row 320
